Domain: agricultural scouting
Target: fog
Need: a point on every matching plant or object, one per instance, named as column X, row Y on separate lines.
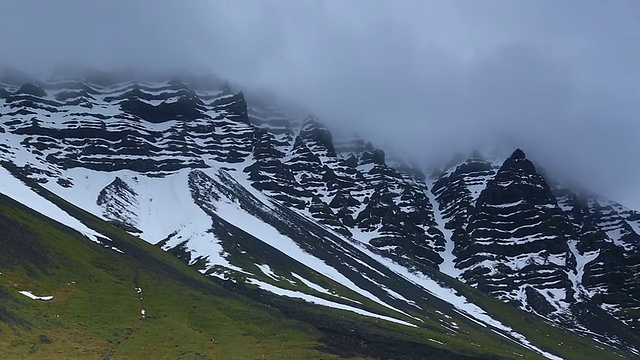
column 560, row 79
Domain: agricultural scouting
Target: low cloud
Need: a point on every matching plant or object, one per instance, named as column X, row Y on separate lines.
column 558, row 79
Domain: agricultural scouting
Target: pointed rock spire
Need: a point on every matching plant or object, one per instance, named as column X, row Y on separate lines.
column 518, row 155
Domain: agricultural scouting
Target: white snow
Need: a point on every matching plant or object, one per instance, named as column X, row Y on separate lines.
column 316, row 300
column 581, row 262
column 117, row 250
column 30, row 295
column 17, row 190
column 265, row 269
column 231, row 212
column 466, row 308
column 507, row 205
column 165, row 207
column 448, row 265
column 312, row 285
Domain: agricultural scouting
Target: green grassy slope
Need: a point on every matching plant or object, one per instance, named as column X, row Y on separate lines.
column 96, row 310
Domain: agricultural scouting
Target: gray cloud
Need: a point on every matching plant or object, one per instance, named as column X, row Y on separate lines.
column 560, row 79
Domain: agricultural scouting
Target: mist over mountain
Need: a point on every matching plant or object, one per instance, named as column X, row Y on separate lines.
column 558, row 79
column 447, row 180
column 273, row 206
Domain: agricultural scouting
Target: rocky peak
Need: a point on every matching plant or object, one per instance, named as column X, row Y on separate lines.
column 517, row 179
column 516, row 233
column 317, row 137
column 518, row 154
column 31, row 89
column 372, row 156
column 119, row 203
column 518, row 164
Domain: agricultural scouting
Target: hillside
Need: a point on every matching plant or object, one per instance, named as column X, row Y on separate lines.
column 182, row 217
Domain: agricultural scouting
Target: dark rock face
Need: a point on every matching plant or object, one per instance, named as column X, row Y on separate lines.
column 31, row 89
column 160, row 127
column 348, row 190
column 506, row 230
column 184, row 108
column 119, row 203
column 517, row 214
column 543, row 248
column 456, row 193
column 609, row 240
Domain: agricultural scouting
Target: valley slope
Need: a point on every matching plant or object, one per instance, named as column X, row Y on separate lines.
column 484, row 258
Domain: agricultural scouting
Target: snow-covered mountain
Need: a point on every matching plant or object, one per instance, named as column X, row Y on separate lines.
column 254, row 196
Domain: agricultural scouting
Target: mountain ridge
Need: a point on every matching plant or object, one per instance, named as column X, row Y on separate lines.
column 176, row 164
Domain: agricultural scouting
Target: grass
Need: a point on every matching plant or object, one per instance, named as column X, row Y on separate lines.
column 96, row 311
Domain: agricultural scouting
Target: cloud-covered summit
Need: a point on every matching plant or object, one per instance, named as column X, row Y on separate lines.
column 559, row 79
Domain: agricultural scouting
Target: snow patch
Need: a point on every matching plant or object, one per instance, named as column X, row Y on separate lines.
column 30, row 295
column 319, row 301
column 20, row 192
column 470, row 310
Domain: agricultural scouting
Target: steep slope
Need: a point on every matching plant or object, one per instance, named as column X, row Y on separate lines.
column 607, row 253
column 265, row 204
column 132, row 303
column 138, row 302
column 517, row 235
column 544, row 250
column 88, row 283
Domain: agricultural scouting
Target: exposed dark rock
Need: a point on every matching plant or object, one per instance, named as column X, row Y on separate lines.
column 4, row 93
column 516, row 214
column 186, row 108
column 514, row 235
column 32, row 89
column 119, row 201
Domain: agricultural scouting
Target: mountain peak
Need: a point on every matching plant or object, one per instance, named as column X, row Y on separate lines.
column 239, row 189
column 32, row 89
column 311, row 123
column 518, row 155
column 518, row 163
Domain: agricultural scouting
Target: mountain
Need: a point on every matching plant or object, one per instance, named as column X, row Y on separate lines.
column 358, row 254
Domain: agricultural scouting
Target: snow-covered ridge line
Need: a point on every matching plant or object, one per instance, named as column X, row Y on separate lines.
column 231, row 211
column 79, row 137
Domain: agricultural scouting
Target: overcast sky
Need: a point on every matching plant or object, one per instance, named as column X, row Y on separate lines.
column 561, row 79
